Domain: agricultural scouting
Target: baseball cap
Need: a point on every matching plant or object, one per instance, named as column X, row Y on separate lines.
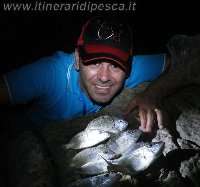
column 106, row 39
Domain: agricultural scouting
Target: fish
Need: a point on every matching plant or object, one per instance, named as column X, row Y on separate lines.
column 97, row 131
column 136, row 158
column 102, row 180
column 91, row 154
column 89, row 161
column 87, row 138
column 120, row 142
column 108, row 123
column 94, row 167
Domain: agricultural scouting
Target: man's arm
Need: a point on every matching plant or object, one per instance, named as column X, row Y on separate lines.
column 183, row 69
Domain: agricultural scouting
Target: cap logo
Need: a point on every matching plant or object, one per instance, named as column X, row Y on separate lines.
column 106, row 32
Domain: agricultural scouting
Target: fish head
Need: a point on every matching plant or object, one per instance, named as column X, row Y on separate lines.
column 156, row 148
column 136, row 158
column 109, row 179
column 136, row 133
column 120, row 124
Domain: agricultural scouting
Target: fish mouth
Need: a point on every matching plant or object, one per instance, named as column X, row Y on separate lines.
column 161, row 148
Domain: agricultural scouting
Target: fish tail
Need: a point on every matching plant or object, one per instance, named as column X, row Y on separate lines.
column 68, row 146
column 111, row 164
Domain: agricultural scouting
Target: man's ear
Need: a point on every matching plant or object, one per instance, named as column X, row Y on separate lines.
column 77, row 60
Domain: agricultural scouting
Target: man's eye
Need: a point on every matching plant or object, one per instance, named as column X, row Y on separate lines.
column 94, row 65
column 115, row 66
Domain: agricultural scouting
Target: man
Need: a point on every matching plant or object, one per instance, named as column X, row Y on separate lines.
column 64, row 86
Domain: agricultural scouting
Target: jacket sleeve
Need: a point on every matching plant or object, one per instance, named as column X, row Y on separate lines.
column 30, row 82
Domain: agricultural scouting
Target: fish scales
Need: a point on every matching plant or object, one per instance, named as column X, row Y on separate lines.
column 136, row 158
column 91, row 155
column 97, row 131
column 87, row 138
column 93, row 168
column 108, row 123
column 102, row 180
column 119, row 143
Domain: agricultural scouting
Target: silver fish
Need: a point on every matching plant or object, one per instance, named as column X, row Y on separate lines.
column 108, row 123
column 95, row 167
column 87, row 138
column 103, row 180
column 89, row 161
column 137, row 158
column 91, row 155
column 120, row 142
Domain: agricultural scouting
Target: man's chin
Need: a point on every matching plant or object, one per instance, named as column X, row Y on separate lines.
column 102, row 100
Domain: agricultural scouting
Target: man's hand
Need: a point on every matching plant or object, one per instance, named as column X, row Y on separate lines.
column 182, row 69
column 150, row 111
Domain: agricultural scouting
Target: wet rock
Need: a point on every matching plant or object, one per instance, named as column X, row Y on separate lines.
column 191, row 169
column 165, row 136
column 29, row 164
column 188, row 126
column 185, row 144
column 172, row 179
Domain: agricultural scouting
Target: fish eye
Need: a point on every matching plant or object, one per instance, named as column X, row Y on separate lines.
column 148, row 145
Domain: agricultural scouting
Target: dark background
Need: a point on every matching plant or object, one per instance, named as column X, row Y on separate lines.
column 27, row 36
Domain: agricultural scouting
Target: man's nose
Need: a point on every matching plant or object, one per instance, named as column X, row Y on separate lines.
column 104, row 73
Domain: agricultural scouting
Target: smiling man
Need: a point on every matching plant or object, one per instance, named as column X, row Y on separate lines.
column 103, row 58
column 64, row 86
column 100, row 81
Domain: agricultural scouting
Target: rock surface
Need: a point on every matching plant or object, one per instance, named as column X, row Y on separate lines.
column 178, row 166
column 29, row 163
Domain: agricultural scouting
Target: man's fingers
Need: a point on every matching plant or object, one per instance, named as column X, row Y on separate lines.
column 143, row 119
column 161, row 118
column 130, row 107
column 150, row 120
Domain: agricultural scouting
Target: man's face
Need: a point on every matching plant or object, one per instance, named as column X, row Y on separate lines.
column 100, row 81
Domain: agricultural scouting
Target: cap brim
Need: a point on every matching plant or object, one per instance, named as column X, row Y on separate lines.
column 96, row 53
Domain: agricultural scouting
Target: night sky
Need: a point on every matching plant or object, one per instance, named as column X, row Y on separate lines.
column 27, row 36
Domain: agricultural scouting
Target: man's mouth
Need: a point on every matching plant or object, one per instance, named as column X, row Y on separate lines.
column 102, row 89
